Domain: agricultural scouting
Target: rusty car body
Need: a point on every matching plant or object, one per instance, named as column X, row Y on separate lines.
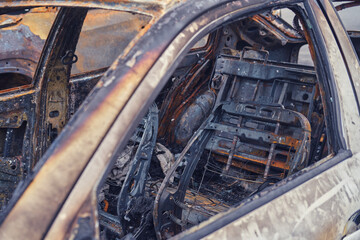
column 208, row 124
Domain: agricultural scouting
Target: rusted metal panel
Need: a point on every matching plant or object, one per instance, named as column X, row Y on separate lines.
column 21, row 48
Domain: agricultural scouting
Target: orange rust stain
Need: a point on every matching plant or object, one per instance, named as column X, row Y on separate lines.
column 273, row 28
column 106, row 207
column 15, row 89
column 245, row 166
column 274, row 163
column 16, row 95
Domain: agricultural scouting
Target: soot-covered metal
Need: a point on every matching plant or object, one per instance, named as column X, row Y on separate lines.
column 238, row 114
column 228, row 125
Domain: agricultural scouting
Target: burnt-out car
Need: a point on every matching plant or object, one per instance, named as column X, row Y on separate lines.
column 216, row 119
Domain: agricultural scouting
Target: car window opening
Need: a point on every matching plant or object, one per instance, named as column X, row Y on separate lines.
column 104, row 36
column 348, row 14
column 235, row 117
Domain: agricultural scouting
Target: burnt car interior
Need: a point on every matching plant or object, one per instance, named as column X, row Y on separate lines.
column 238, row 115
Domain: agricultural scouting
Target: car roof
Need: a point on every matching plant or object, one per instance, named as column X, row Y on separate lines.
column 148, row 7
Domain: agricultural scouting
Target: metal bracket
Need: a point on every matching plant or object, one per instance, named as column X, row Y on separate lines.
column 69, row 58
